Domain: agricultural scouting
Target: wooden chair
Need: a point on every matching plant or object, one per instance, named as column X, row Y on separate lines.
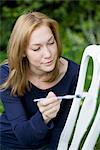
column 81, row 117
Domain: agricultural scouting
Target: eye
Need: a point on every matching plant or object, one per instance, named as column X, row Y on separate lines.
column 36, row 49
column 50, row 43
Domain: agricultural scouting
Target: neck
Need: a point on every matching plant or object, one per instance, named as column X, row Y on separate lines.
column 40, row 80
column 39, row 77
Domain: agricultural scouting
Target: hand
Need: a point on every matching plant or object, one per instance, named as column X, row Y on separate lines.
column 49, row 107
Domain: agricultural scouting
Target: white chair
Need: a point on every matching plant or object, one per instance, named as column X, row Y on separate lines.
column 79, row 118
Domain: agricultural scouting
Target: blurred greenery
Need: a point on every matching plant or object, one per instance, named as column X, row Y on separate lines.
column 3, row 56
column 79, row 26
column 78, row 19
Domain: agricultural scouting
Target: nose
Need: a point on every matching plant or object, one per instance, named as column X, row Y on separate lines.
column 47, row 52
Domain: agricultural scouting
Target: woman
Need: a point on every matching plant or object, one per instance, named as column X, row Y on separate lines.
column 35, row 69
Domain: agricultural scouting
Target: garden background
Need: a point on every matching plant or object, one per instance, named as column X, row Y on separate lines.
column 79, row 27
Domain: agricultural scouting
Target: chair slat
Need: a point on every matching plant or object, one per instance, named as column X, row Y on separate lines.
column 88, row 108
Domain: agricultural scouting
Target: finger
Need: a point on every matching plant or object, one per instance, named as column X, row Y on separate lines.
column 52, row 111
column 51, row 94
column 47, row 107
column 51, row 97
column 50, row 106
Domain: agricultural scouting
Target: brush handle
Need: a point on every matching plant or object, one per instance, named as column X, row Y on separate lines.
column 65, row 97
column 58, row 97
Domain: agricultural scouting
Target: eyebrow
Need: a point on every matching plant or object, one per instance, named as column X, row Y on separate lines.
column 48, row 41
column 50, row 38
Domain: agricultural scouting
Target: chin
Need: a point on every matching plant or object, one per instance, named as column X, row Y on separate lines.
column 49, row 69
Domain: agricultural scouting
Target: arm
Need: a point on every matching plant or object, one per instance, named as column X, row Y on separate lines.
column 36, row 127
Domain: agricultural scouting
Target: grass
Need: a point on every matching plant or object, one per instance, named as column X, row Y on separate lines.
column 88, row 79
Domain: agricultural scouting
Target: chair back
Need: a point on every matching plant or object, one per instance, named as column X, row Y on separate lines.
column 86, row 116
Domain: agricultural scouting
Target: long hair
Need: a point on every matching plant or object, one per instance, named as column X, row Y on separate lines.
column 17, row 46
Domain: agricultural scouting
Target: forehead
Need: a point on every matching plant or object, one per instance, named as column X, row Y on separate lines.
column 40, row 34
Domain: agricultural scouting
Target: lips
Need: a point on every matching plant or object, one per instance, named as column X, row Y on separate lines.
column 48, row 62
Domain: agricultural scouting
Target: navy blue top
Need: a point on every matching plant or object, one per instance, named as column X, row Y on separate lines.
column 22, row 125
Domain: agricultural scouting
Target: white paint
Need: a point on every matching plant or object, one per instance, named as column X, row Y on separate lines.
column 88, row 108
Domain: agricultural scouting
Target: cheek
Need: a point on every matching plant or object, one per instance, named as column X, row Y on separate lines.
column 33, row 58
column 55, row 46
column 55, row 49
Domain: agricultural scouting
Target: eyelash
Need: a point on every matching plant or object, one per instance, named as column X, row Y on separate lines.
column 51, row 43
column 39, row 47
column 36, row 49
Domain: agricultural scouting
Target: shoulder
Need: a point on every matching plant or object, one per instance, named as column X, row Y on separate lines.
column 73, row 67
column 4, row 68
column 4, row 72
column 72, row 75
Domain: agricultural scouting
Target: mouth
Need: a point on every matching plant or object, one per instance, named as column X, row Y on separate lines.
column 48, row 62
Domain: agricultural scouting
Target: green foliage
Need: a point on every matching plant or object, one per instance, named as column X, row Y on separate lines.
column 78, row 19
column 1, row 107
column 3, row 56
